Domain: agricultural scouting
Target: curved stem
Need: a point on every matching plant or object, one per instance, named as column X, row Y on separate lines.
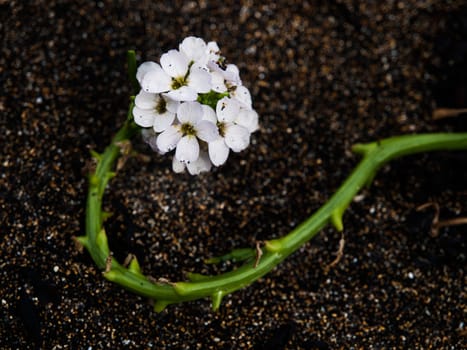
column 95, row 240
column 374, row 154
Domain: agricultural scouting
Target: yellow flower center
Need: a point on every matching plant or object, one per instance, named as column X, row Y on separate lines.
column 161, row 106
column 187, row 129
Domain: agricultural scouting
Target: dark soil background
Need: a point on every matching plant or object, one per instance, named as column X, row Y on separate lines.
column 323, row 75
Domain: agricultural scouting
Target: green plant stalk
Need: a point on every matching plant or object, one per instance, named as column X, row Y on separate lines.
column 95, row 240
column 375, row 155
column 132, row 69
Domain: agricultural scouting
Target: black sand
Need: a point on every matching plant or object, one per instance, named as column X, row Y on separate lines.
column 323, row 75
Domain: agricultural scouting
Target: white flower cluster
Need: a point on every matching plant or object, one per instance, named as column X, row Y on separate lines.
column 196, row 104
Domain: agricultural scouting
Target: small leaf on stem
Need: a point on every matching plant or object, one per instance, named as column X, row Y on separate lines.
column 160, row 305
column 217, row 299
column 102, row 243
column 134, row 266
column 241, row 254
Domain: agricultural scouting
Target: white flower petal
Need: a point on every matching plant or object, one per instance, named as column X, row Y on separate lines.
column 248, row 118
column 194, row 48
column 156, row 81
column 168, row 139
column 172, row 105
column 143, row 117
column 175, row 63
column 213, row 47
column 184, row 93
column 218, row 151
column 214, row 67
column 147, row 134
column 199, row 80
column 144, row 68
column 217, row 82
column 202, row 164
column 209, row 114
column 163, row 121
column 227, row 109
column 187, row 149
column 146, row 100
column 232, row 68
column 243, row 95
column 198, row 65
column 207, row 131
column 150, row 137
column 152, row 142
column 178, row 166
column 232, row 74
column 190, row 112
column 213, row 51
column 237, row 137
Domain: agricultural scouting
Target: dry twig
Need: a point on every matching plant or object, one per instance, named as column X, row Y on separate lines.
column 339, row 255
column 436, row 224
column 441, row 113
column 259, row 253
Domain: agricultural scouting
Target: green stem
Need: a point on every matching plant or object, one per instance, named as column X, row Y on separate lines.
column 95, row 240
column 132, row 69
column 374, row 154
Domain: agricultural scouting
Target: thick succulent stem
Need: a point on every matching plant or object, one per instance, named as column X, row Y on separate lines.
column 95, row 240
column 216, row 287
